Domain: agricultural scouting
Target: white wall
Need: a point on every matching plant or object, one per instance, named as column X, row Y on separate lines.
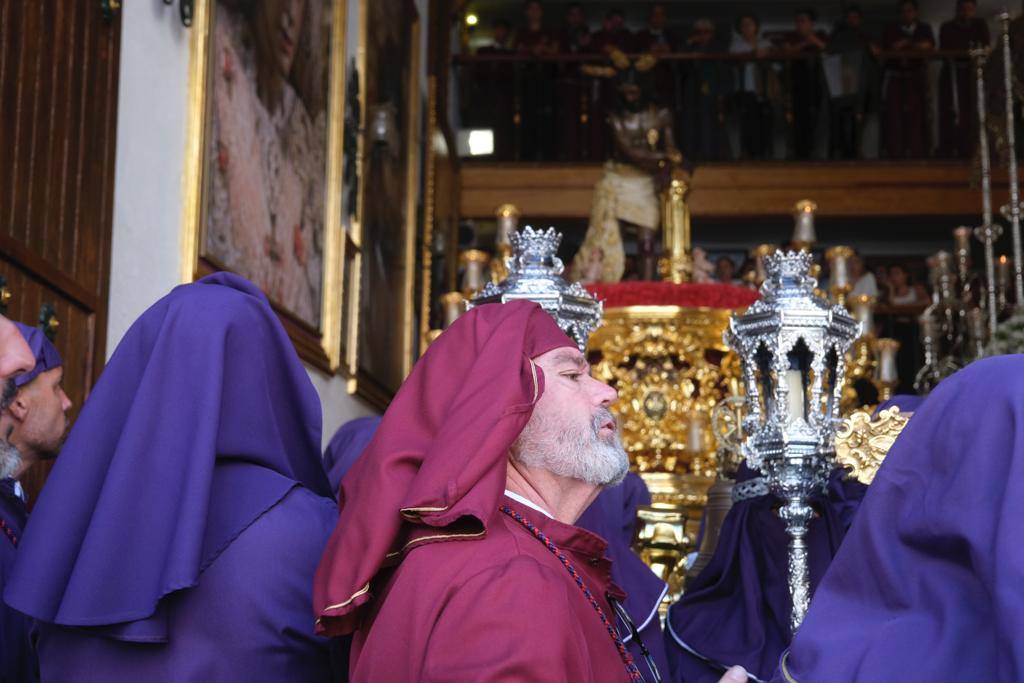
column 146, row 249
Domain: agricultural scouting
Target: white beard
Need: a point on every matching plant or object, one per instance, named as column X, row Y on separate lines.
column 10, row 459
column 573, row 453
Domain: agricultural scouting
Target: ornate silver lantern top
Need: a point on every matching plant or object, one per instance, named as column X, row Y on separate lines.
column 792, row 345
column 535, row 273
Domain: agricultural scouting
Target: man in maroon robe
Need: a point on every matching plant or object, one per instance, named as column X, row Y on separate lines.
column 455, row 557
column 906, row 90
column 958, row 114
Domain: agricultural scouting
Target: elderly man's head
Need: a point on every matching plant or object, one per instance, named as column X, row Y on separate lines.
column 39, row 410
column 33, row 408
column 571, row 432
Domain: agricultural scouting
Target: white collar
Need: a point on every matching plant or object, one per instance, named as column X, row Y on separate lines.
column 528, row 503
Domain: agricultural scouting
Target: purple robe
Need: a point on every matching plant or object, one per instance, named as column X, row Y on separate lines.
column 17, row 660
column 927, row 585
column 613, row 517
column 907, row 403
column 177, row 535
column 247, row 619
column 346, row 446
column 736, row 611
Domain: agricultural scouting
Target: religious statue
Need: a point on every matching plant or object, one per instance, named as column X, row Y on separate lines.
column 626, row 199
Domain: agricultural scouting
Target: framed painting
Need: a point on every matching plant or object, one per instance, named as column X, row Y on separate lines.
column 387, row 213
column 264, row 159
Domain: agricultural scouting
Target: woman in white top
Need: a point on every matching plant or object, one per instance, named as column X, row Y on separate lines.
column 902, row 292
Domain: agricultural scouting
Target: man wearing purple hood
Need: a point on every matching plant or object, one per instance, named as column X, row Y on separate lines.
column 33, row 421
column 928, row 583
column 177, row 536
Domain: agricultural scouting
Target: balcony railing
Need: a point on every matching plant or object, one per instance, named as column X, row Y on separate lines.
column 725, row 106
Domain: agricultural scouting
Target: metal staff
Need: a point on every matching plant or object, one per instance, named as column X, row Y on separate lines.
column 792, row 346
column 987, row 233
column 1011, row 143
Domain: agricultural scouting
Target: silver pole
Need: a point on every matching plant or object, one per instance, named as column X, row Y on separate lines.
column 1011, row 142
column 986, row 232
column 797, row 515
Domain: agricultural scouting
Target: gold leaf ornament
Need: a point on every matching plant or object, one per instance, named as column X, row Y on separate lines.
column 862, row 443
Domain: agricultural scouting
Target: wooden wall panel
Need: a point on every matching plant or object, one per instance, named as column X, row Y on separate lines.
column 58, row 116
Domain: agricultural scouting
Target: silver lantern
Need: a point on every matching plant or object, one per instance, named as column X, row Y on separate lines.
column 535, row 273
column 792, row 346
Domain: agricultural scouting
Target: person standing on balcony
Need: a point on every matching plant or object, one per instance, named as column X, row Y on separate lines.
column 855, row 109
column 958, row 120
column 906, row 89
column 705, row 85
column 573, row 113
column 493, row 83
column 613, row 36
column 757, row 87
column 535, row 85
column 807, row 87
column 658, row 39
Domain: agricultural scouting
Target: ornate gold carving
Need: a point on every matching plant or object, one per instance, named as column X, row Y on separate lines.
column 670, row 367
column 666, row 362
column 863, row 443
column 663, row 541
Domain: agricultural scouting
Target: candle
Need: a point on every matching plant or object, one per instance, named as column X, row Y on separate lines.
column 453, row 305
column 976, row 330
column 695, row 432
column 838, row 260
column 803, row 224
column 962, row 238
column 474, row 261
column 929, row 327
column 508, row 221
column 795, row 383
column 944, row 262
column 864, row 311
column 1004, row 274
column 759, row 254
column 887, row 349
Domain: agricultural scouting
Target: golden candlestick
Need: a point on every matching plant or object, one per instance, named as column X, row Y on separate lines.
column 508, row 222
column 677, row 264
column 759, row 253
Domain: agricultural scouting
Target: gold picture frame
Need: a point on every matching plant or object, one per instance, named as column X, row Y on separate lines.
column 376, row 382
column 318, row 342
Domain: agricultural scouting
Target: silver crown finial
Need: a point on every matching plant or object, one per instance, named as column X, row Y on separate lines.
column 535, row 273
